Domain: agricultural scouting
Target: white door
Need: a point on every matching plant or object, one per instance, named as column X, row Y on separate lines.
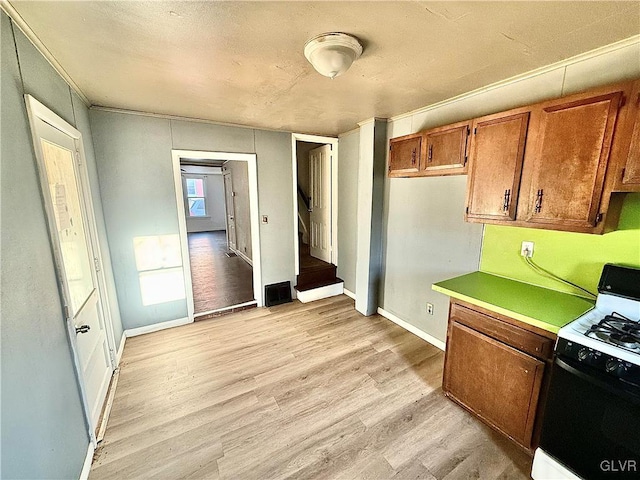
column 230, row 207
column 320, row 215
column 74, row 246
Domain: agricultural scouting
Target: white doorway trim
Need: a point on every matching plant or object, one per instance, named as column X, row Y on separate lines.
column 300, row 137
column 39, row 112
column 252, row 167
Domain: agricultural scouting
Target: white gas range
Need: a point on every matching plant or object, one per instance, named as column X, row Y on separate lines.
column 591, row 426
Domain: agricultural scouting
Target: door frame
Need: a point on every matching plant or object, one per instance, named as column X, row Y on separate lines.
column 226, row 211
column 39, row 112
column 296, row 137
column 252, row 167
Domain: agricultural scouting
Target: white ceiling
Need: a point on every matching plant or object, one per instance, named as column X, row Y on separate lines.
column 243, row 62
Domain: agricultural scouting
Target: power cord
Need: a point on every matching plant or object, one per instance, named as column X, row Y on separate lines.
column 538, row 269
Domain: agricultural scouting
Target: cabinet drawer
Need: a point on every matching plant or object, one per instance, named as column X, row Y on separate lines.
column 516, row 337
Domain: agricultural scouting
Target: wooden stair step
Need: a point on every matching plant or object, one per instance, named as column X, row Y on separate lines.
column 312, row 276
column 321, row 283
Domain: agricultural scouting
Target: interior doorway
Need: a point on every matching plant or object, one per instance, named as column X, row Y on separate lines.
column 315, row 212
column 217, row 209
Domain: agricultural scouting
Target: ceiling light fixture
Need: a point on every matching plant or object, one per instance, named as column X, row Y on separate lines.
column 331, row 54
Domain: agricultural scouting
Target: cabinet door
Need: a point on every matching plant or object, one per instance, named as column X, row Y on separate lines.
column 446, row 150
column 497, row 382
column 495, row 166
column 632, row 168
column 570, row 157
column 404, row 155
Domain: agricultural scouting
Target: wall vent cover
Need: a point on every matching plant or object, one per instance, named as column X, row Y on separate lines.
column 277, row 293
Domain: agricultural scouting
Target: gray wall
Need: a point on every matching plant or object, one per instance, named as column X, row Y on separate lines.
column 426, row 239
column 138, row 195
column 43, row 432
column 371, row 178
column 239, row 172
column 214, row 192
column 348, row 159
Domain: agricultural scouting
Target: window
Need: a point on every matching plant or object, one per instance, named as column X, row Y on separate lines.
column 196, row 202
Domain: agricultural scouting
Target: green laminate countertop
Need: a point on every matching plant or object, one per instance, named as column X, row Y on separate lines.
column 541, row 307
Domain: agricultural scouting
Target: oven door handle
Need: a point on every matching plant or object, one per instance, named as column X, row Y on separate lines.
column 604, row 383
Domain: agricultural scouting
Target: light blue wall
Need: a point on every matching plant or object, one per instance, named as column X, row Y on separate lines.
column 138, row 194
column 43, row 432
column 136, row 181
column 348, row 159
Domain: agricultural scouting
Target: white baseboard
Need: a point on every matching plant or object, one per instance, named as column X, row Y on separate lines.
column 134, row 332
column 243, row 256
column 321, row 292
column 86, row 466
column 120, row 349
column 413, row 329
column 349, row 293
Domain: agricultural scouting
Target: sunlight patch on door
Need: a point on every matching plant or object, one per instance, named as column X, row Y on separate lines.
column 159, row 265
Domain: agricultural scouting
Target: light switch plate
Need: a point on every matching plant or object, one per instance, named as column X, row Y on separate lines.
column 265, row 219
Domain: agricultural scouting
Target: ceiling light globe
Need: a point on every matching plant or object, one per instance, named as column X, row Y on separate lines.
column 331, row 54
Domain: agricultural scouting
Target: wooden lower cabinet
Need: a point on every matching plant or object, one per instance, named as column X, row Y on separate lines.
column 496, row 369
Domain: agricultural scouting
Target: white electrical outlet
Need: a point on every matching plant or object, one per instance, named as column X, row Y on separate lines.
column 527, row 249
column 430, row 308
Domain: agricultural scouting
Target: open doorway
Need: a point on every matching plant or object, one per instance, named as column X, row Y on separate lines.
column 315, row 192
column 217, row 199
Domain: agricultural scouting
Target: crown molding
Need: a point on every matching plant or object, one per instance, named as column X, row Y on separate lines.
column 44, row 51
column 371, row 120
column 349, row 132
column 634, row 40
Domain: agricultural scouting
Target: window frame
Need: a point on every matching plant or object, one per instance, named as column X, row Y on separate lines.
column 187, row 197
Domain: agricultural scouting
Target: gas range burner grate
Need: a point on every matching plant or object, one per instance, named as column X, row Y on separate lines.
column 616, row 329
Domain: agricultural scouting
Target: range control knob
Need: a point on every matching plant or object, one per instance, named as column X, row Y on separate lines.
column 585, row 354
column 616, row 367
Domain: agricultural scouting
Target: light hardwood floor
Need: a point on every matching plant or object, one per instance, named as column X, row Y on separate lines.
column 295, row 391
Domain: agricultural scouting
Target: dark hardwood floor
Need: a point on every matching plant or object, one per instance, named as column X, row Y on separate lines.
column 219, row 280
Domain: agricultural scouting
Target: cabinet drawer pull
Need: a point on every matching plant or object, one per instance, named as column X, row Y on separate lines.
column 413, row 157
column 430, row 156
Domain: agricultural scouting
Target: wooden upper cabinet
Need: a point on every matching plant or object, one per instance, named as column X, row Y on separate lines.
column 404, row 155
column 495, row 165
column 631, row 173
column 446, row 150
column 569, row 156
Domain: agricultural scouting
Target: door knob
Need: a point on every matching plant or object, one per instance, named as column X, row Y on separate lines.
column 82, row 329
